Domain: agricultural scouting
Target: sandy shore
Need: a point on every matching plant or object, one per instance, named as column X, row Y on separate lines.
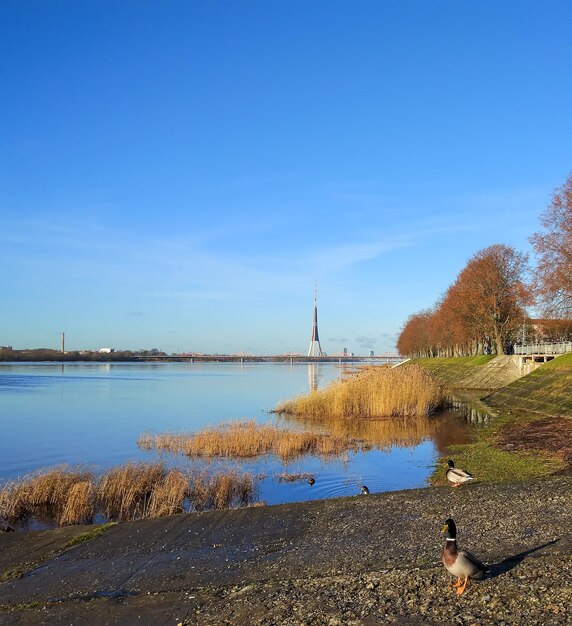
column 362, row 560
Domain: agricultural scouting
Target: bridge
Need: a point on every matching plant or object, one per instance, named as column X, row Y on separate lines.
column 541, row 352
column 282, row 358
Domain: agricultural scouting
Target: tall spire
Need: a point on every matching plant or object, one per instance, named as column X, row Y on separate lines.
column 315, row 348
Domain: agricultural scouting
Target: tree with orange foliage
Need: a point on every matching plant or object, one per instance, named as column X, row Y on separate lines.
column 489, row 292
column 481, row 311
column 553, row 248
column 414, row 338
column 453, row 325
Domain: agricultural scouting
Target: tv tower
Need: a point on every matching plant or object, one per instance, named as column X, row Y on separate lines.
column 315, row 348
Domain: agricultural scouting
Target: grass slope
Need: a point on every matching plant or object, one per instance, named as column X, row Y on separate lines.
column 454, row 371
column 547, row 390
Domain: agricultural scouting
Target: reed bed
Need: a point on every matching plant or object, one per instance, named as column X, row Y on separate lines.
column 245, row 439
column 65, row 495
column 373, row 392
column 45, row 494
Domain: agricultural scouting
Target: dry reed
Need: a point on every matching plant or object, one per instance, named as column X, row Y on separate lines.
column 133, row 491
column 220, row 490
column 79, row 504
column 372, row 392
column 42, row 492
column 248, row 439
column 168, row 495
column 125, row 491
column 228, row 488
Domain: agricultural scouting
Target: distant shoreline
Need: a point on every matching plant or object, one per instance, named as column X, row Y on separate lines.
column 43, row 356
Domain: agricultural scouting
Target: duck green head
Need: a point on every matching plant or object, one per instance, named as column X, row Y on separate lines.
column 449, row 529
column 450, row 463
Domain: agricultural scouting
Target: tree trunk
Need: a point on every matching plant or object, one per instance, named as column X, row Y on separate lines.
column 499, row 342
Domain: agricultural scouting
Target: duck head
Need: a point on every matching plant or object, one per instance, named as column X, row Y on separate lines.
column 450, row 529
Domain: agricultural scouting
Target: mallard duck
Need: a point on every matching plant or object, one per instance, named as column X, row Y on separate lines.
column 364, row 490
column 461, row 563
column 457, row 476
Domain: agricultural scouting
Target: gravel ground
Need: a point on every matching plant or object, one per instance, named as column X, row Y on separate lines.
column 364, row 560
column 539, row 592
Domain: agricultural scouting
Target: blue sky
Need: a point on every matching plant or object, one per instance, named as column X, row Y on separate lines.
column 177, row 174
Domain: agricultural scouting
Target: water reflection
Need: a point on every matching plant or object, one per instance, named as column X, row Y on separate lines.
column 451, row 431
column 444, row 430
column 73, row 413
column 314, row 376
column 316, row 373
column 471, row 409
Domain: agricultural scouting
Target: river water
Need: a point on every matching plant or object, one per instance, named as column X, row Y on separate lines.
column 93, row 413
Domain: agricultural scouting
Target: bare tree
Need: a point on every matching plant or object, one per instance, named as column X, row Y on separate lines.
column 553, row 248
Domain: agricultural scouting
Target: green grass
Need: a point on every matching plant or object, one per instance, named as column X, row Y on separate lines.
column 547, row 390
column 489, row 464
column 452, row 371
column 90, row 534
column 460, row 361
column 23, row 606
column 11, row 574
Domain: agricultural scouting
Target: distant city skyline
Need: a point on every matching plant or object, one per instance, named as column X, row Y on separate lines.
column 178, row 175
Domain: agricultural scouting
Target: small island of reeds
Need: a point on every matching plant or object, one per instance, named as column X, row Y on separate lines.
column 371, row 393
column 246, row 439
column 324, row 420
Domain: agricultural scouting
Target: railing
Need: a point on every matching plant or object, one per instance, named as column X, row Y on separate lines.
column 544, row 348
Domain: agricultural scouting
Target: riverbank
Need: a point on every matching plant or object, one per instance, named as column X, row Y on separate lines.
column 530, row 435
column 482, row 372
column 360, row 560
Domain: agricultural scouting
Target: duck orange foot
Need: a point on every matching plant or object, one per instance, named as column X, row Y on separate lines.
column 462, row 588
